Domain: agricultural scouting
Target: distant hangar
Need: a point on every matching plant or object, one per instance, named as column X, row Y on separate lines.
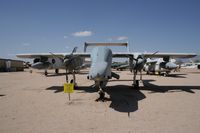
column 10, row 65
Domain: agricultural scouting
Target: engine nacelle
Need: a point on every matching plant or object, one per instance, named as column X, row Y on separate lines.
column 40, row 65
column 47, row 63
column 36, row 60
column 170, row 65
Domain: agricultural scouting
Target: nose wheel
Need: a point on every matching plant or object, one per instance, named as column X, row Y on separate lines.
column 136, row 84
column 101, row 96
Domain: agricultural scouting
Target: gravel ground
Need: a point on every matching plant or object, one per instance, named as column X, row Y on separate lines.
column 31, row 102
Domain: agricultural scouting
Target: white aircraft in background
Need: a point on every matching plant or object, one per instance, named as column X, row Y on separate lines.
column 160, row 66
column 191, row 64
column 101, row 60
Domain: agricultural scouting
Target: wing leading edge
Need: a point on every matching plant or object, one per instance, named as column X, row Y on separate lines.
column 116, row 55
column 170, row 55
column 49, row 55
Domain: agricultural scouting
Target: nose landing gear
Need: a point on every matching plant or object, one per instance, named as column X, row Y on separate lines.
column 101, row 95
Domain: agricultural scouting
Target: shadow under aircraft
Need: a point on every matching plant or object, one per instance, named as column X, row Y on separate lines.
column 123, row 98
column 1, row 95
column 167, row 88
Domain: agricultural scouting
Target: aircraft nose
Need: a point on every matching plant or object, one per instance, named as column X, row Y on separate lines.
column 98, row 70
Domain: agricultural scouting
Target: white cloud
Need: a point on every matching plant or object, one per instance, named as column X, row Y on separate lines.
column 120, row 38
column 26, row 44
column 82, row 33
column 65, row 37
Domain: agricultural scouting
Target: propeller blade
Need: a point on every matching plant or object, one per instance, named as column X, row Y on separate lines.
column 155, row 52
column 71, row 55
column 74, row 50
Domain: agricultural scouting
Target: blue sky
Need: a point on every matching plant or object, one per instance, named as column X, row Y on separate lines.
column 33, row 26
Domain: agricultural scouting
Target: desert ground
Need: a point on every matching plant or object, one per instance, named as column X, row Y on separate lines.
column 34, row 103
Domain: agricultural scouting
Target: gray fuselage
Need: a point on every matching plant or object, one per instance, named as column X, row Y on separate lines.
column 100, row 70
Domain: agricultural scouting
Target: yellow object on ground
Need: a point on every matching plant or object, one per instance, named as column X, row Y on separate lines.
column 156, row 73
column 68, row 88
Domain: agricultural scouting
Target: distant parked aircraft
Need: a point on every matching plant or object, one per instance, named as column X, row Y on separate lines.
column 191, row 65
column 67, row 61
column 159, row 66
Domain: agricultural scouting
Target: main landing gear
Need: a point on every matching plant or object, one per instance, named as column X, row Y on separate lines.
column 45, row 73
column 135, row 82
column 56, row 71
column 72, row 80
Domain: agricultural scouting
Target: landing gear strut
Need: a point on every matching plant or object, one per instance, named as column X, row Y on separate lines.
column 141, row 75
column 72, row 80
column 67, row 76
column 45, row 72
column 135, row 82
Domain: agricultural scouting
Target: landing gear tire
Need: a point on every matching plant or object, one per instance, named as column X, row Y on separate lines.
column 101, row 96
column 136, row 85
column 72, row 82
column 164, row 74
column 45, row 73
column 56, row 71
column 31, row 71
column 159, row 73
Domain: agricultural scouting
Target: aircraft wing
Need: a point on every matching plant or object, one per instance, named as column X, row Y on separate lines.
column 123, row 55
column 49, row 55
column 37, row 55
column 84, row 55
column 169, row 55
column 117, row 55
